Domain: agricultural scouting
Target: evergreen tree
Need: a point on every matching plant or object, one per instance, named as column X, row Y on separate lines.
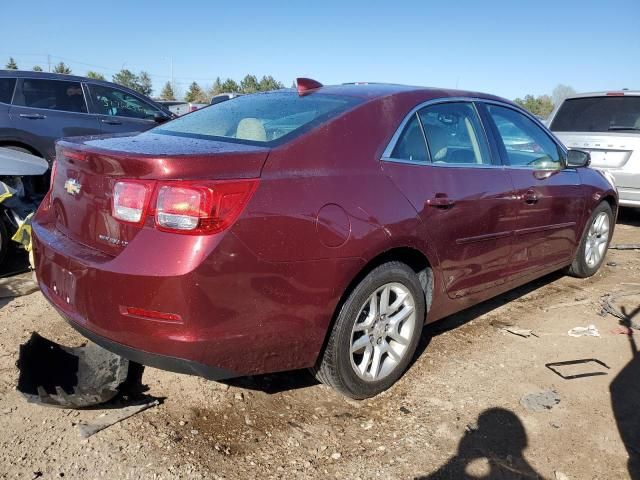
column 126, row 78
column 95, row 75
column 167, row 92
column 11, row 64
column 37, row 68
column 62, row 68
column 194, row 94
column 268, row 83
column 249, row 84
column 145, row 85
column 230, row 86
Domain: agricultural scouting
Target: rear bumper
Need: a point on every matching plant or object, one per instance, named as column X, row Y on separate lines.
column 163, row 362
column 629, row 197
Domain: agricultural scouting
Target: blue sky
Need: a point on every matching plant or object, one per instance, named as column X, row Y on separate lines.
column 509, row 48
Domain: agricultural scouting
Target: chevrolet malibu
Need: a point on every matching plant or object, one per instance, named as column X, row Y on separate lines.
column 317, row 227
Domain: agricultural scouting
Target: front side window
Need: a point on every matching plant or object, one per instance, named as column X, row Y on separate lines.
column 411, row 145
column 454, row 134
column 261, row 118
column 118, row 103
column 7, row 86
column 52, row 95
column 526, row 143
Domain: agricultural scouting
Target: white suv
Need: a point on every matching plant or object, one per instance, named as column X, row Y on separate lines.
column 606, row 124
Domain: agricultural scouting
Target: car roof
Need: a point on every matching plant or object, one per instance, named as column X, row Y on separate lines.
column 70, row 78
column 607, row 93
column 371, row 91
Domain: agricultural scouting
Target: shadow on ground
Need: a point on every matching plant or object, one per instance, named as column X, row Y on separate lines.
column 629, row 216
column 625, row 399
column 492, row 449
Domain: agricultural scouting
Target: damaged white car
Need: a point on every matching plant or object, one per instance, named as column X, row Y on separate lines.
column 18, row 197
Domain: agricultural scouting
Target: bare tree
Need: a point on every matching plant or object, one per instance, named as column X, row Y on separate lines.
column 560, row 93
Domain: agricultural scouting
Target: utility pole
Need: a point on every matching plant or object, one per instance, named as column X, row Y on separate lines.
column 49, row 62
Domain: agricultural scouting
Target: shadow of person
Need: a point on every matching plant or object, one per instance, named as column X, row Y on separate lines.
column 625, row 400
column 493, row 450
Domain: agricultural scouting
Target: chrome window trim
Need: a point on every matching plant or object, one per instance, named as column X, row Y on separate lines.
column 386, row 154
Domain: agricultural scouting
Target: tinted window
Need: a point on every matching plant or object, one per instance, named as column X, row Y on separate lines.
column 51, row 94
column 118, row 103
column 262, row 118
column 526, row 143
column 411, row 145
column 598, row 114
column 454, row 134
column 6, row 89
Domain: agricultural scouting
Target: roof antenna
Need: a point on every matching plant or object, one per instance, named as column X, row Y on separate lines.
column 306, row 85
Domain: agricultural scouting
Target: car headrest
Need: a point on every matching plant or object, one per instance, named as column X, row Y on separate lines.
column 251, row 129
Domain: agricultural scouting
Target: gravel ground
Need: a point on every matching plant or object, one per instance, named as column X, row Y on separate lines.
column 457, row 413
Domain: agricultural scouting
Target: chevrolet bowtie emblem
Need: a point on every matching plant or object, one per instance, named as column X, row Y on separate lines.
column 72, row 186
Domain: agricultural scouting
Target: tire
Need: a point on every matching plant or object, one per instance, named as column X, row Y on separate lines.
column 352, row 373
column 581, row 267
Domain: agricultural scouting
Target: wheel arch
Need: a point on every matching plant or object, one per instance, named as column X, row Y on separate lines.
column 410, row 256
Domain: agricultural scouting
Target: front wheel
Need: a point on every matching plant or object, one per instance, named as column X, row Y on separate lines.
column 375, row 334
column 594, row 243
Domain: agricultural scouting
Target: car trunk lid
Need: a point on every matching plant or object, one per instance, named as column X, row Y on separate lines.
column 88, row 169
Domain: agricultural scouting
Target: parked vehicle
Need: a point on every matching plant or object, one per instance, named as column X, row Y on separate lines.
column 315, row 228
column 37, row 108
column 178, row 107
column 223, row 97
column 607, row 125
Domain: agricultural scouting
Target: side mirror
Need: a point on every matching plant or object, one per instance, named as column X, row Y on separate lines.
column 578, row 158
column 161, row 117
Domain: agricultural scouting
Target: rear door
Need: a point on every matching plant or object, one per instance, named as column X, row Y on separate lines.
column 549, row 196
column 119, row 111
column 45, row 110
column 443, row 164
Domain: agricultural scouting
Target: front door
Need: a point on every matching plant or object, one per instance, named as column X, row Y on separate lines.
column 548, row 194
column 443, row 164
column 119, row 111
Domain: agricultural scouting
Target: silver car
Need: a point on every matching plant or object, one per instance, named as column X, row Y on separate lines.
column 607, row 125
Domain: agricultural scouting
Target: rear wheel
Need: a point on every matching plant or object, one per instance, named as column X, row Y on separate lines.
column 594, row 243
column 376, row 333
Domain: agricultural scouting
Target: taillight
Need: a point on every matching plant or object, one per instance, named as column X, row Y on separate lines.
column 194, row 207
column 201, row 207
column 130, row 201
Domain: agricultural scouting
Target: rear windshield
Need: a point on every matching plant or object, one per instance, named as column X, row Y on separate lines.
column 263, row 118
column 598, row 114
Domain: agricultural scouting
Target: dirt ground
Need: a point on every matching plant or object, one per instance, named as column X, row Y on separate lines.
column 456, row 413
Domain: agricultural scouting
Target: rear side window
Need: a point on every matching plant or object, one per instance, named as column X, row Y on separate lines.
column 260, row 118
column 526, row 144
column 411, row 144
column 598, row 114
column 51, row 95
column 7, row 85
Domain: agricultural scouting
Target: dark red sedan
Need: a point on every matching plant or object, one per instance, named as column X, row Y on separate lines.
column 317, row 228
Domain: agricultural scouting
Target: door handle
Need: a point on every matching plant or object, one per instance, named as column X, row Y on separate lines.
column 33, row 116
column 530, row 197
column 112, row 122
column 440, row 201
